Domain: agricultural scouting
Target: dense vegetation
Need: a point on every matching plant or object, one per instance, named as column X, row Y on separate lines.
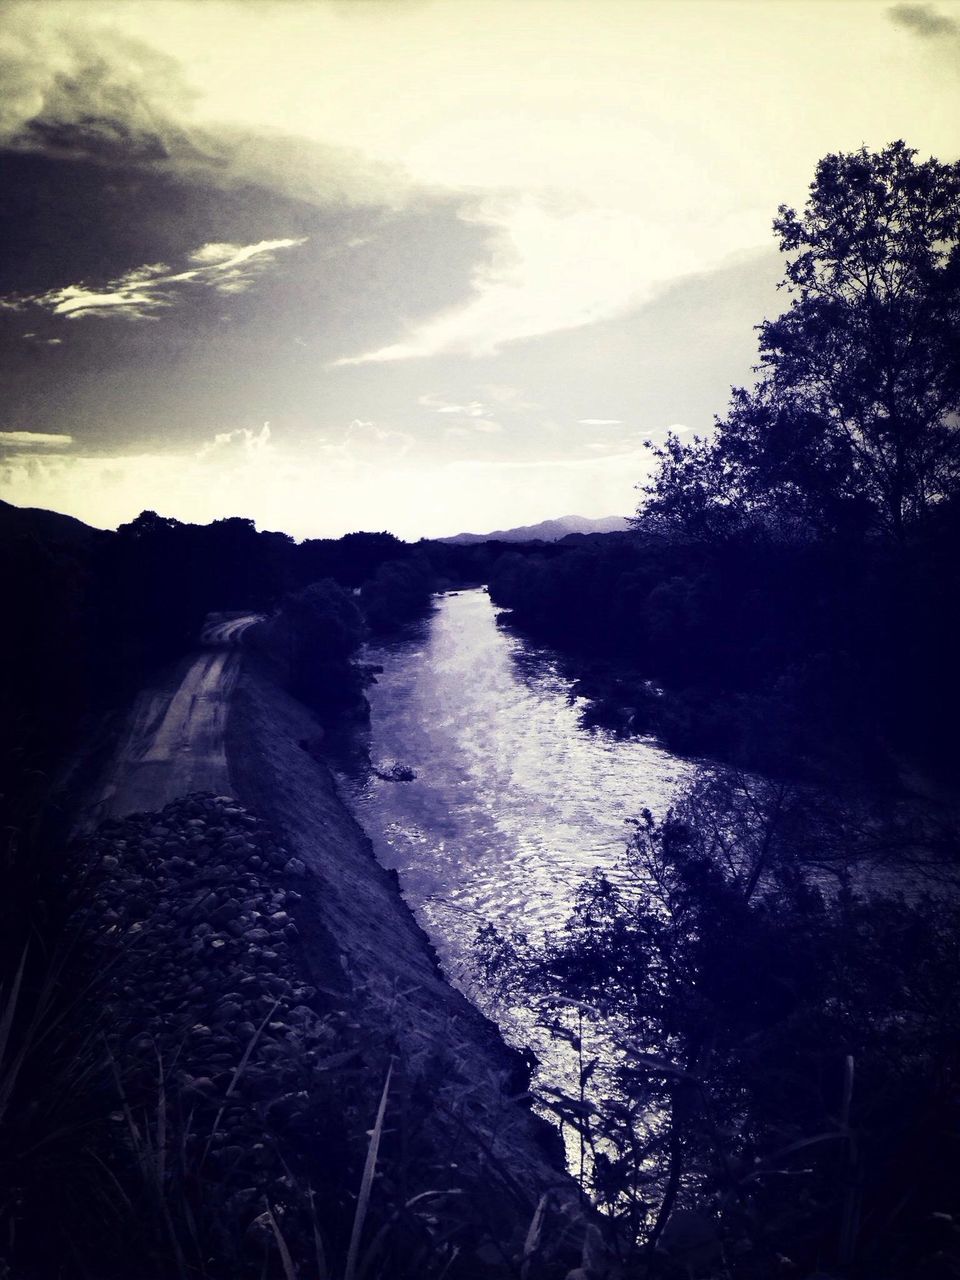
column 806, row 657
column 775, row 963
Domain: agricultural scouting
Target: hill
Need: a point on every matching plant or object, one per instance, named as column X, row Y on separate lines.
column 546, row 530
column 48, row 526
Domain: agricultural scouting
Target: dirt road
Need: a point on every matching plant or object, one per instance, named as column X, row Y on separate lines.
column 172, row 742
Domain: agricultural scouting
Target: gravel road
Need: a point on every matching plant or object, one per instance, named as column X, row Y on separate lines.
column 173, row 740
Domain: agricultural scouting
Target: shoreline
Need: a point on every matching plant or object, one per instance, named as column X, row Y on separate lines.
column 267, row 966
column 380, row 948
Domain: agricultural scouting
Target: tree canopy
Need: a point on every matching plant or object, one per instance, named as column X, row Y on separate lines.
column 853, row 423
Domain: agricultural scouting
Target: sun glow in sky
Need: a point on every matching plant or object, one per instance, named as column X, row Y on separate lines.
column 462, row 256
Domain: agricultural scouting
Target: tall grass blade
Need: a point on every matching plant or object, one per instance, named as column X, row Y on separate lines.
column 8, row 1074
column 289, row 1270
column 366, row 1182
column 323, row 1272
column 235, row 1078
column 371, row 1251
column 161, row 1121
column 10, row 1007
column 449, row 1262
column 534, row 1231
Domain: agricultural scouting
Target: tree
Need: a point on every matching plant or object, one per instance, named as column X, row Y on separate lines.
column 318, row 631
column 853, row 422
column 398, row 592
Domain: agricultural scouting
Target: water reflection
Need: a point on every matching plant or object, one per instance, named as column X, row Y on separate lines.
column 514, row 802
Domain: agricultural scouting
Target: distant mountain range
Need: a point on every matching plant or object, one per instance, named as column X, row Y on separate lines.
column 54, row 527
column 546, row 530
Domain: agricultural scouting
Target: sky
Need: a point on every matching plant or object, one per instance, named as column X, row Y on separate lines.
column 417, row 265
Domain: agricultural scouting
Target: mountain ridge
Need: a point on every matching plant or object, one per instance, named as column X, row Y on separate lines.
column 546, row 530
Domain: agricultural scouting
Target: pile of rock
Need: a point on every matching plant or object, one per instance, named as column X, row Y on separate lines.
column 225, row 1058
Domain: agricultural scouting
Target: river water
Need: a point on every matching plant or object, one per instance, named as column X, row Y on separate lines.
column 514, row 802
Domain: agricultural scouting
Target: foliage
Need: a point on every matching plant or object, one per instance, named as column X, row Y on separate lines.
column 351, row 560
column 317, row 633
column 398, row 592
column 786, row 1046
column 810, row 657
column 853, row 423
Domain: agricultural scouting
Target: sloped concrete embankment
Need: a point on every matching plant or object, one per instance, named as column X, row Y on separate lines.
column 466, row 1088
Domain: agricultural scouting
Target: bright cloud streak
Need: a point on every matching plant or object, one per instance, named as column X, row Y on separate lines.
column 565, row 269
column 141, row 293
column 34, row 440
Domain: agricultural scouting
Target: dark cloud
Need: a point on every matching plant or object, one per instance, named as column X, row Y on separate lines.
column 69, row 94
column 210, row 358
column 97, row 96
column 108, row 192
column 924, row 21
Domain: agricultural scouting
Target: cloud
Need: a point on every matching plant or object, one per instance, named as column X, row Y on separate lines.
column 34, row 440
column 556, row 266
column 924, row 21
column 600, row 422
column 475, row 409
column 251, row 445
column 474, row 415
column 77, row 92
column 367, row 443
column 76, row 88
column 145, row 291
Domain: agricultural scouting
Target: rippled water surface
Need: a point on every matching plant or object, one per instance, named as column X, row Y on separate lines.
column 514, row 803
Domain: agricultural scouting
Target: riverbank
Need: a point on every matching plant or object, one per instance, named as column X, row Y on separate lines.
column 361, row 937
column 251, row 1029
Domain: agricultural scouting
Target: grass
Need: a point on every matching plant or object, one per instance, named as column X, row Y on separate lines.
column 366, row 1182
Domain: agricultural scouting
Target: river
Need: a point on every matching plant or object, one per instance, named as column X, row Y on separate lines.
column 514, row 803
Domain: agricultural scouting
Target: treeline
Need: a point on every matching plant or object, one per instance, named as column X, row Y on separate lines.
column 792, row 583
column 807, row 655
column 93, row 612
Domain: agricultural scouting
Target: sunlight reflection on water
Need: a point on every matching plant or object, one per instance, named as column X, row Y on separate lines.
column 514, row 802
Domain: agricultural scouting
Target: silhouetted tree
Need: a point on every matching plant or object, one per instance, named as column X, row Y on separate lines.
column 316, row 634
column 854, row 420
column 399, row 591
